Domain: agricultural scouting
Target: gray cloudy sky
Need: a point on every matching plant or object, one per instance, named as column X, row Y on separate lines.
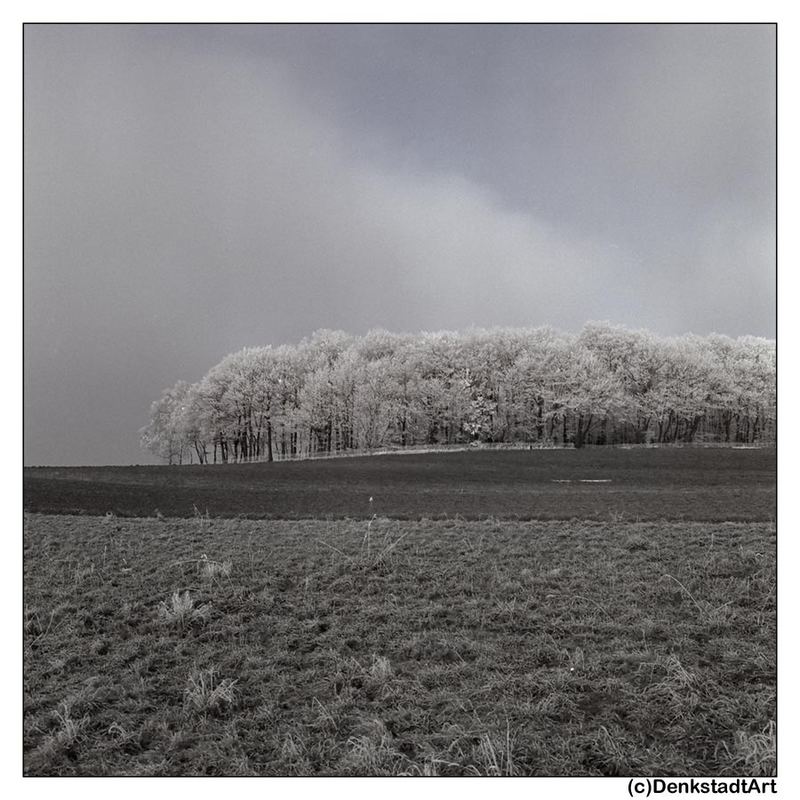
column 190, row 190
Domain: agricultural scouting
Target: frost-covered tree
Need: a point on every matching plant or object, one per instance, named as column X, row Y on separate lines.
column 164, row 435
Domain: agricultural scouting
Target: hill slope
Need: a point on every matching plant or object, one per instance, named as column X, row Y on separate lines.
column 697, row 484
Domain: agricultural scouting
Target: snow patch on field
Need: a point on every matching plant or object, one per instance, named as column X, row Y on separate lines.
column 582, row 480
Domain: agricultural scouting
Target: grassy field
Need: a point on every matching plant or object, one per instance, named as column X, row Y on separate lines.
column 453, row 647
column 647, row 484
column 361, row 643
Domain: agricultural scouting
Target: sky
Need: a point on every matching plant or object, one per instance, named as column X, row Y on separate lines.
column 192, row 190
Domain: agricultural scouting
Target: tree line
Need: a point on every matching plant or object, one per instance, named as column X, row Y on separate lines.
column 334, row 393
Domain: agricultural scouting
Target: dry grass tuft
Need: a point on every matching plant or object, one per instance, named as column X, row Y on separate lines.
column 206, row 695
column 381, row 669
column 180, row 611
column 755, row 753
column 214, row 569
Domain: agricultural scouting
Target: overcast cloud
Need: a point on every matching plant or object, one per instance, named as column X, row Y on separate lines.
column 193, row 190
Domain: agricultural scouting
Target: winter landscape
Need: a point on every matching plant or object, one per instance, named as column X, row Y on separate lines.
column 333, row 466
